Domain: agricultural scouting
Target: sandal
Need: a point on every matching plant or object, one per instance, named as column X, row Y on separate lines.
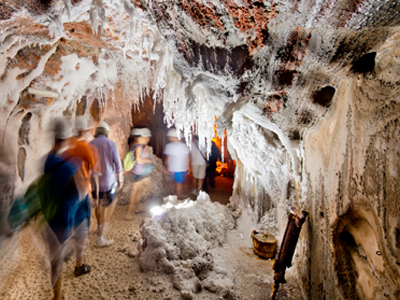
column 84, row 269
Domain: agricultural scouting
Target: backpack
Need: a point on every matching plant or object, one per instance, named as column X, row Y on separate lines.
column 48, row 195
column 129, row 160
column 25, row 208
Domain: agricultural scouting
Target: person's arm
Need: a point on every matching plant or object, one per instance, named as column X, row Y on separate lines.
column 118, row 167
column 166, row 163
column 95, row 181
column 139, row 159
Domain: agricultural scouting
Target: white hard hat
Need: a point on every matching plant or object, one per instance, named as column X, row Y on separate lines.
column 104, row 125
column 144, row 132
column 81, row 123
column 172, row 133
column 62, row 129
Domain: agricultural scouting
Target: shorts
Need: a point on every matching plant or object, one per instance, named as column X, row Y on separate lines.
column 136, row 177
column 199, row 171
column 106, row 197
column 146, row 173
column 83, row 212
column 179, row 177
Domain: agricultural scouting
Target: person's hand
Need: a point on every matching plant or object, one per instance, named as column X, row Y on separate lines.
column 120, row 182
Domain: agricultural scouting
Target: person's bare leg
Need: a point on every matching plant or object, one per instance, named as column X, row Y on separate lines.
column 147, row 185
column 106, row 214
column 108, row 211
column 199, row 185
column 178, row 189
column 81, row 242
column 132, row 199
column 99, row 213
column 57, row 289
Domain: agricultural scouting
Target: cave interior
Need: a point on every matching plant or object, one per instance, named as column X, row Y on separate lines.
column 303, row 94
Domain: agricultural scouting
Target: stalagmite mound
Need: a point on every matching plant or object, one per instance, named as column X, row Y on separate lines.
column 179, row 241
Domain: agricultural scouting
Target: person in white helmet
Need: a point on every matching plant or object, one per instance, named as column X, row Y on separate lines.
column 142, row 169
column 176, row 160
column 109, row 181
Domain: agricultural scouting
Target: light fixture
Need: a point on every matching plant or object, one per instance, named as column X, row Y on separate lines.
column 42, row 93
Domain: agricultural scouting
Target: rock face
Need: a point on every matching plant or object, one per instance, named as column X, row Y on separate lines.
column 308, row 92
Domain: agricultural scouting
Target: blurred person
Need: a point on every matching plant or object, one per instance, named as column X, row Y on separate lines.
column 85, row 157
column 199, row 164
column 141, row 170
column 59, row 198
column 131, row 138
column 176, row 160
column 214, row 156
column 109, row 181
column 8, row 175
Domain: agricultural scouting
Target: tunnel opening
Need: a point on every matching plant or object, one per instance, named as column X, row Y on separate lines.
column 324, row 96
column 359, row 264
column 365, row 63
column 149, row 113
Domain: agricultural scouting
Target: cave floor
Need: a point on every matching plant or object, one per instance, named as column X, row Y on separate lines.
column 115, row 272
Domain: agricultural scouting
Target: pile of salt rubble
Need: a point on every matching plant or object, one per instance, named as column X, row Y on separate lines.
column 179, row 240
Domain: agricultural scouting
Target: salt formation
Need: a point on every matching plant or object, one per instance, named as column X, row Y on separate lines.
column 179, row 241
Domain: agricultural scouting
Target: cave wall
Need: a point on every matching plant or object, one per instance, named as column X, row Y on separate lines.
column 352, row 164
column 343, row 170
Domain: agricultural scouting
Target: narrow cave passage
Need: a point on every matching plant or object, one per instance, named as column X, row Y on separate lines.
column 117, row 271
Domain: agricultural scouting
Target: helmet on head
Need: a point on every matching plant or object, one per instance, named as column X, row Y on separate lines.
column 104, row 125
column 143, row 132
column 172, row 133
column 81, row 123
column 62, row 129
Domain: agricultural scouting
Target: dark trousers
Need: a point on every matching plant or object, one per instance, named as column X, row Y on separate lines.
column 210, row 178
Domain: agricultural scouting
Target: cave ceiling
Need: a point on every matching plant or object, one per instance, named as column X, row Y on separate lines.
column 285, row 57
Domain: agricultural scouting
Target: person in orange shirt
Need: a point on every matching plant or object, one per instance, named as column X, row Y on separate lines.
column 84, row 159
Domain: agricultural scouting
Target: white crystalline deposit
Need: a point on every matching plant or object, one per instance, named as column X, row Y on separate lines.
column 179, row 241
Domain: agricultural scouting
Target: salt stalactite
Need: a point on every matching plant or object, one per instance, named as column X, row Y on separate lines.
column 12, row 87
column 263, row 162
column 97, row 12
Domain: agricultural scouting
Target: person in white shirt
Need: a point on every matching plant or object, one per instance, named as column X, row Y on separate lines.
column 199, row 164
column 176, row 160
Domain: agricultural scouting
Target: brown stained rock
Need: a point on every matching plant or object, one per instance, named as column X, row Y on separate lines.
column 255, row 17
column 275, row 103
column 5, row 11
column 23, row 133
column 201, row 14
column 293, row 56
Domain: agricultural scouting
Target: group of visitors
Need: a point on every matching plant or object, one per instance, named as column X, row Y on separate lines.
column 76, row 171
column 81, row 172
column 177, row 161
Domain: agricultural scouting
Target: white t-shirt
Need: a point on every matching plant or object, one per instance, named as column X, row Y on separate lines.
column 178, row 154
column 195, row 155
